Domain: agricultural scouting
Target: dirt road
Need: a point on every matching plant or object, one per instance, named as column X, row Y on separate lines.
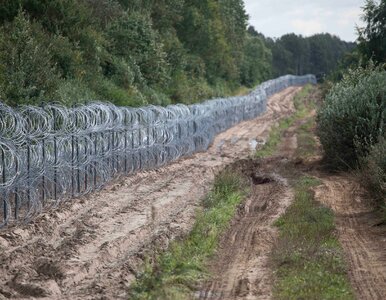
column 362, row 237
column 242, row 267
column 91, row 248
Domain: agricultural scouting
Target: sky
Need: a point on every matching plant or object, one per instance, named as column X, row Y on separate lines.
column 277, row 17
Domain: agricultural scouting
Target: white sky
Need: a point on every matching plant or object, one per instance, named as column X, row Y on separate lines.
column 277, row 17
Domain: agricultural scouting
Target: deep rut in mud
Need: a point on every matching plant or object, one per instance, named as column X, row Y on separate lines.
column 91, row 248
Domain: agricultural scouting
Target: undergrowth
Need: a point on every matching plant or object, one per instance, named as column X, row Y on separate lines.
column 175, row 273
column 373, row 174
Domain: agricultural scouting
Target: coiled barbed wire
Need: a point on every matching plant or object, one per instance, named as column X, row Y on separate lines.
column 53, row 153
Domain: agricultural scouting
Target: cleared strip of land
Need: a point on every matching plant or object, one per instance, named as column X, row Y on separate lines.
column 92, row 247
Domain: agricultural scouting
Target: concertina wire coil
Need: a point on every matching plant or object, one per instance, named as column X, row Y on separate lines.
column 54, row 153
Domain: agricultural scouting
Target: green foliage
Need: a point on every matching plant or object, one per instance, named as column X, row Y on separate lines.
column 73, row 91
column 202, row 31
column 133, row 38
column 127, row 52
column 372, row 37
column 27, row 71
column 308, row 257
column 175, row 272
column 256, row 65
column 294, row 54
column 371, row 43
column 353, row 116
column 141, row 52
column 373, row 171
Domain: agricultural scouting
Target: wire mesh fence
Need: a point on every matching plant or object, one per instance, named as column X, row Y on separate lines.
column 53, row 153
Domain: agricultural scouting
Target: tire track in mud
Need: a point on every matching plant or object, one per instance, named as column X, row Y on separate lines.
column 92, row 247
column 242, row 265
column 242, row 269
column 363, row 241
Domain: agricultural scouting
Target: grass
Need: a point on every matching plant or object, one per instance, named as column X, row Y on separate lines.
column 275, row 137
column 308, row 258
column 175, row 273
column 306, row 142
column 302, row 107
column 302, row 102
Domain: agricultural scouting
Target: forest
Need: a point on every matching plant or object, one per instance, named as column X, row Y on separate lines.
column 144, row 52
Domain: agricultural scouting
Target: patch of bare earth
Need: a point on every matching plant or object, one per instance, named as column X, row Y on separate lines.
column 241, row 269
column 91, row 248
column 362, row 237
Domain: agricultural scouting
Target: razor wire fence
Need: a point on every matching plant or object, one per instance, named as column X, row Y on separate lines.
column 53, row 153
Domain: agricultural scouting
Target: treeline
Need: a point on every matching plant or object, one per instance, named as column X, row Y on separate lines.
column 129, row 52
column 133, row 52
column 294, row 54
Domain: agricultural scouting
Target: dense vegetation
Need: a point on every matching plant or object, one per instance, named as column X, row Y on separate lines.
column 353, row 116
column 352, row 120
column 127, row 52
column 298, row 55
column 372, row 37
column 140, row 52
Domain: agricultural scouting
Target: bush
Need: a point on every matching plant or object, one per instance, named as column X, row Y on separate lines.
column 27, row 71
column 108, row 91
column 374, row 170
column 73, row 91
column 132, row 37
column 353, row 116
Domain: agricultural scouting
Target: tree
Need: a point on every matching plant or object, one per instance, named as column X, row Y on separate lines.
column 257, row 62
column 28, row 73
column 133, row 38
column 372, row 37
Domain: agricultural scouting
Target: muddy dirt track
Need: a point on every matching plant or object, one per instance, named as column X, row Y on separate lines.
column 242, row 268
column 92, row 247
column 362, row 237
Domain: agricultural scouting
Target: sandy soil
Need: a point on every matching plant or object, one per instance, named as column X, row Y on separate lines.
column 91, row 248
column 242, row 267
column 362, row 236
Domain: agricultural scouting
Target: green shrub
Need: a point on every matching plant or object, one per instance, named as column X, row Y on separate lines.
column 133, row 38
column 353, row 116
column 73, row 91
column 373, row 171
column 27, row 71
column 108, row 91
